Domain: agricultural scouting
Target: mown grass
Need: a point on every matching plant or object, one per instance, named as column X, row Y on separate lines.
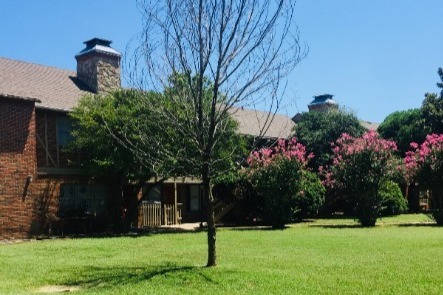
column 320, row 257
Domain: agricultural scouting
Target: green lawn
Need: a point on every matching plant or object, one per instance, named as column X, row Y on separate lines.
column 320, row 257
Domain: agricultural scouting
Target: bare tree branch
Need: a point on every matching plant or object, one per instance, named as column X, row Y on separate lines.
column 244, row 48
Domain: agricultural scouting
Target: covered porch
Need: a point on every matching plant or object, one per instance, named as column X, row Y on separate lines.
column 169, row 202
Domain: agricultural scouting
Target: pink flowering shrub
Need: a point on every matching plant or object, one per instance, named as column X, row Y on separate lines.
column 285, row 149
column 424, row 163
column 360, row 166
column 286, row 190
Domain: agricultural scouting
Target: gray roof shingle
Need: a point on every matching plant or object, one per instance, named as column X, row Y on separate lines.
column 51, row 88
column 251, row 122
column 370, row 125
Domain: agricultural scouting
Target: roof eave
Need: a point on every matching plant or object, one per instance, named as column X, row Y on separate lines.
column 15, row 97
column 47, row 108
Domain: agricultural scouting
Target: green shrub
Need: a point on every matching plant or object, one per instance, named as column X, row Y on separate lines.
column 286, row 192
column 310, row 196
column 284, row 187
column 393, row 202
column 276, row 186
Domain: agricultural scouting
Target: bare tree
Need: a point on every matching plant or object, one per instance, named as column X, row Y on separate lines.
column 244, row 49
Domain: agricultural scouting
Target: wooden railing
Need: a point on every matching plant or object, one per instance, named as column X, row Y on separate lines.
column 151, row 214
column 156, row 214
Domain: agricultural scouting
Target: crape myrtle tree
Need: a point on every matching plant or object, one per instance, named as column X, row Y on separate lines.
column 360, row 166
column 286, row 189
column 424, row 164
column 317, row 130
column 244, row 48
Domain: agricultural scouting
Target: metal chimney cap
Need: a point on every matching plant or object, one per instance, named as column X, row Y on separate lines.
column 98, row 45
column 97, row 41
column 323, row 99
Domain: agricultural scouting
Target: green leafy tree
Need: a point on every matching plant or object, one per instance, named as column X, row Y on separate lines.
column 432, row 108
column 128, row 137
column 103, row 125
column 317, row 130
column 404, row 127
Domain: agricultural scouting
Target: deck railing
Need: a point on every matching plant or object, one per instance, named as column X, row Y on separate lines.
column 157, row 214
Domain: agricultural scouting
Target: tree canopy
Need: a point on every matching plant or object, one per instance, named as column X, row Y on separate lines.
column 317, row 130
column 103, row 123
column 404, row 127
column 432, row 108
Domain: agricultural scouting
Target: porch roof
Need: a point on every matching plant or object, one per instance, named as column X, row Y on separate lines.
column 181, row 179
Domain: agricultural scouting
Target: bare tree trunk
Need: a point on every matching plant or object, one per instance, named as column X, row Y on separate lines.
column 207, row 191
column 212, row 253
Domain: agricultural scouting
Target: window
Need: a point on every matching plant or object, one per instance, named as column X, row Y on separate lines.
column 64, row 128
column 194, row 192
column 83, row 199
column 154, row 194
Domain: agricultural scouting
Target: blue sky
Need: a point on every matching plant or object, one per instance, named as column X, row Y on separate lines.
column 374, row 56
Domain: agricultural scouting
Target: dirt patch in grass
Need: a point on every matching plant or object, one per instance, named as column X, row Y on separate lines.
column 57, row 289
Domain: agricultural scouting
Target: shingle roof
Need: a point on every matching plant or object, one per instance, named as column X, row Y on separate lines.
column 58, row 89
column 51, row 87
column 369, row 125
column 251, row 122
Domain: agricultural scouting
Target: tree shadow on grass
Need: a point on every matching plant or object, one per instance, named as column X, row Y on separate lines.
column 111, row 276
column 257, row 228
column 338, row 226
column 133, row 234
column 424, row 224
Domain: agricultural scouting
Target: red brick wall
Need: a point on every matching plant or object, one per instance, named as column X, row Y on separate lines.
column 17, row 165
column 24, row 204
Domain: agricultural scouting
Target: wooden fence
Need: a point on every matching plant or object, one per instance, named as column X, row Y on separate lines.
column 157, row 214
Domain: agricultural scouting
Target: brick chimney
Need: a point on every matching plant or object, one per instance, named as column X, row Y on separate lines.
column 98, row 66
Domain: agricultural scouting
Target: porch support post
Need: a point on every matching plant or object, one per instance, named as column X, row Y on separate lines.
column 175, row 203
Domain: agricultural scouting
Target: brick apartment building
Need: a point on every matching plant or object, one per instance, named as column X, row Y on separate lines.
column 35, row 174
column 38, row 183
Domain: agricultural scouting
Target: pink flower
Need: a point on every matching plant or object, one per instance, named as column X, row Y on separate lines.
column 286, row 149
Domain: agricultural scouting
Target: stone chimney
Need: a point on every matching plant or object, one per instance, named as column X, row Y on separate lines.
column 323, row 103
column 98, row 66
